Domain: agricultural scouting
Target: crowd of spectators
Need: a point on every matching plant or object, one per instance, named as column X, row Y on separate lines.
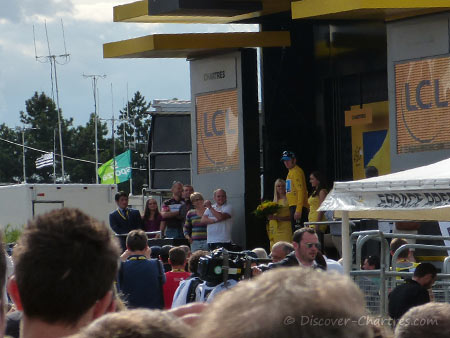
column 75, row 277
column 70, row 280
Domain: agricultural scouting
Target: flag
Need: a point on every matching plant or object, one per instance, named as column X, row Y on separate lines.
column 123, row 169
column 44, row 161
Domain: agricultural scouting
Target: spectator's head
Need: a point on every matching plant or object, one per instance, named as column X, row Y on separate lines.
column 197, row 200
column 137, row 240
column 65, row 265
column 187, row 250
column 280, row 250
column 193, row 261
column 371, row 263
column 287, row 302
column 429, row 320
column 220, row 196
column 177, row 257
column 121, row 198
column 177, row 189
column 164, row 254
column 135, row 324
column 187, row 191
column 397, row 243
column 260, row 253
column 306, row 245
column 151, row 207
column 279, row 189
column 371, row 171
column 155, row 251
column 425, row 275
column 289, row 159
column 3, row 302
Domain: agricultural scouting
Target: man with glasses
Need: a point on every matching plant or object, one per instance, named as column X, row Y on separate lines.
column 306, row 247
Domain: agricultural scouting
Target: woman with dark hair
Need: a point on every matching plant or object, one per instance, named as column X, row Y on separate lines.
column 319, row 192
column 152, row 217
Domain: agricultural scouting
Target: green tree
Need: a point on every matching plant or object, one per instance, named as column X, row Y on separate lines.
column 134, row 133
column 83, row 147
column 137, row 120
column 10, row 156
column 41, row 113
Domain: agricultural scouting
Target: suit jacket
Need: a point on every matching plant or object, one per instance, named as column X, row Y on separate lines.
column 123, row 226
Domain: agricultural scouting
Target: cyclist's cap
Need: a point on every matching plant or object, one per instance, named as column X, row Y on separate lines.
column 287, row 155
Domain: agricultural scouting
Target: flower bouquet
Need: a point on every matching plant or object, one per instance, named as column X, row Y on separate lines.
column 266, row 208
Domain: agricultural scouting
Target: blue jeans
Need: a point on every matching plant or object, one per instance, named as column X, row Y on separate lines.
column 199, row 245
column 174, row 233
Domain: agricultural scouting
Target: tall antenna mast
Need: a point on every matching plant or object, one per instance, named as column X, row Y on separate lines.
column 53, row 59
column 95, row 78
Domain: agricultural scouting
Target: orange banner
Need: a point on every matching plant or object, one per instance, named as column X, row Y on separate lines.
column 217, row 132
column 422, row 105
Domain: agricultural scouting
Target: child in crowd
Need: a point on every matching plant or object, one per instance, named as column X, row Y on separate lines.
column 177, row 259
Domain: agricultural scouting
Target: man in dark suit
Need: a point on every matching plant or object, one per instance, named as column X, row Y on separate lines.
column 124, row 219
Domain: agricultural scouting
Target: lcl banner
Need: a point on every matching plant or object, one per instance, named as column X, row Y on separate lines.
column 422, row 105
column 411, row 200
column 217, row 132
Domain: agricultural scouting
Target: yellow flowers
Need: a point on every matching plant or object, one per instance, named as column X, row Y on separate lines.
column 266, row 208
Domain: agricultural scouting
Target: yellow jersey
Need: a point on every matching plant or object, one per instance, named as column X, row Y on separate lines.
column 296, row 192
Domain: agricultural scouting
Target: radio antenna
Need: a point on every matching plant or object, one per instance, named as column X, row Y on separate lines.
column 53, row 60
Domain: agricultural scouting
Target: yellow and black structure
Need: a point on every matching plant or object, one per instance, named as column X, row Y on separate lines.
column 345, row 84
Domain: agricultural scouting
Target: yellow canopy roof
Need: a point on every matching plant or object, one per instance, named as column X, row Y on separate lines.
column 139, row 12
column 365, row 9
column 189, row 45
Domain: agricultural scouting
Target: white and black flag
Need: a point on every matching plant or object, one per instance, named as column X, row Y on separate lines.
column 44, row 161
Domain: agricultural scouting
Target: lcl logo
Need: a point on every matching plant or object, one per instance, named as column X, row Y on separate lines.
column 211, row 127
column 420, row 101
column 422, row 104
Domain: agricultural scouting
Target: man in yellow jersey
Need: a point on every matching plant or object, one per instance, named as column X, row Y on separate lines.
column 296, row 192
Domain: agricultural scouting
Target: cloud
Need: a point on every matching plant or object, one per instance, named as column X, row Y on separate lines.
column 23, row 10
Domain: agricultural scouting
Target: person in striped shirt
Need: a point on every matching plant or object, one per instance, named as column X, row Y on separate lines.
column 194, row 228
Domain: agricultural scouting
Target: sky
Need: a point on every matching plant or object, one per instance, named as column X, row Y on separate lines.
column 88, row 24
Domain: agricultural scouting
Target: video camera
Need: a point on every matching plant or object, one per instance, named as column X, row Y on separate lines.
column 222, row 265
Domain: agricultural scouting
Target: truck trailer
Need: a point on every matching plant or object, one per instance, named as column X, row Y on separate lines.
column 21, row 202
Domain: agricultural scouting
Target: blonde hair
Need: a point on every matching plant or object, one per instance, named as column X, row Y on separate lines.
column 195, row 195
column 275, row 193
column 276, row 303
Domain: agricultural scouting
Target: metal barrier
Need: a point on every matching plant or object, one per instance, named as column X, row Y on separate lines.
column 147, row 233
column 376, row 284
column 370, row 283
column 446, row 265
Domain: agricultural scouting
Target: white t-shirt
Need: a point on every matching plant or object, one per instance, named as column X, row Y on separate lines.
column 219, row 232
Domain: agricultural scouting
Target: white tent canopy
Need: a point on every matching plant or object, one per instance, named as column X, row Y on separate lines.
column 417, row 194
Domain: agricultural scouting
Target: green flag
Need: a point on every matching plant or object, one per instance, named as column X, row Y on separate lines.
column 123, row 169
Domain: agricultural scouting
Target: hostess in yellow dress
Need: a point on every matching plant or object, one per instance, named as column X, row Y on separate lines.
column 314, row 204
column 280, row 230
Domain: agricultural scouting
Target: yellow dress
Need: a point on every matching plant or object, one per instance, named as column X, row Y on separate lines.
column 314, row 204
column 280, row 230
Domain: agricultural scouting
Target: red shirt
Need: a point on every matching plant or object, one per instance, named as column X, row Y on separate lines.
column 173, row 279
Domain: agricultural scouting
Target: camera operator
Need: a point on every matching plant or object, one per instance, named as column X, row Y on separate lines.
column 306, row 253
